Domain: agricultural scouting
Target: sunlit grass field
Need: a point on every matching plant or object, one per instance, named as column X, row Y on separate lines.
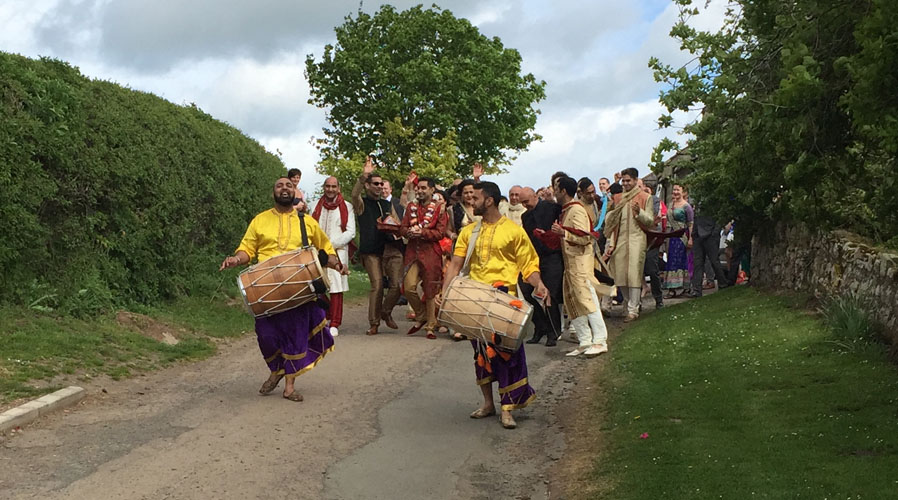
column 738, row 395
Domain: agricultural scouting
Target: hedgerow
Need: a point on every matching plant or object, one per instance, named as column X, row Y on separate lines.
column 110, row 195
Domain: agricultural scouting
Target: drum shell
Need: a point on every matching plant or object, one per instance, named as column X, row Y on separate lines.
column 479, row 310
column 282, row 282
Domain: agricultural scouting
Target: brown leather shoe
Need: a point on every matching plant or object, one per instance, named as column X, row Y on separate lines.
column 372, row 330
column 388, row 319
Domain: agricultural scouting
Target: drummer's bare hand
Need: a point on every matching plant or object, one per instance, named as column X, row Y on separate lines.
column 438, row 300
column 229, row 262
column 557, row 229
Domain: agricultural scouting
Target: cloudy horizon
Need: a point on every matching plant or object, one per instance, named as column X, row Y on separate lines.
column 243, row 64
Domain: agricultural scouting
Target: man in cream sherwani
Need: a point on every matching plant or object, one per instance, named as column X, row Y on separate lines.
column 335, row 216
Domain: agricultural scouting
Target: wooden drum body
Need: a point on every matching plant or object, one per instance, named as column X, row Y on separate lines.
column 480, row 311
column 283, row 282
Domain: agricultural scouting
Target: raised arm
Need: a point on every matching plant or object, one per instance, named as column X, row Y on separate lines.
column 357, row 203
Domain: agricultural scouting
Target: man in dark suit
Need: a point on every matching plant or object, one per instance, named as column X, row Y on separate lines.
column 706, row 243
column 542, row 214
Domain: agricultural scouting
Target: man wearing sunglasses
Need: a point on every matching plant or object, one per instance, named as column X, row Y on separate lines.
column 378, row 250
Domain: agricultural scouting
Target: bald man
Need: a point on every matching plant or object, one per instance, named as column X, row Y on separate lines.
column 334, row 215
column 515, row 207
column 541, row 214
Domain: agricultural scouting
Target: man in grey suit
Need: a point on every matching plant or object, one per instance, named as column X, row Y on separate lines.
column 706, row 242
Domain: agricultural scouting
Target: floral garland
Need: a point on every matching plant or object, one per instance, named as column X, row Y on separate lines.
column 428, row 214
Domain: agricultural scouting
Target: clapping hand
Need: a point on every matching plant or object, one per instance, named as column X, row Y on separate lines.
column 557, row 229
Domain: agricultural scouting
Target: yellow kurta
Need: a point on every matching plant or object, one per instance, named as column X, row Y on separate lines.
column 579, row 261
column 628, row 257
column 502, row 251
column 272, row 233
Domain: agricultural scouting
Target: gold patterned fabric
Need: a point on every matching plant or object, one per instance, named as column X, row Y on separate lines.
column 579, row 261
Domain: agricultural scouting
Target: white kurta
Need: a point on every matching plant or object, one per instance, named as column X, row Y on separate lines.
column 330, row 223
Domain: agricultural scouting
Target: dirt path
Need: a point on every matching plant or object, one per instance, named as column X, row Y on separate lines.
column 384, row 417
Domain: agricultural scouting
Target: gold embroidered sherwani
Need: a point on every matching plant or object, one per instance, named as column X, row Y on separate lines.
column 579, row 261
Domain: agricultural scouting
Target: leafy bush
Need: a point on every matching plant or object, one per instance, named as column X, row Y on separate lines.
column 110, row 195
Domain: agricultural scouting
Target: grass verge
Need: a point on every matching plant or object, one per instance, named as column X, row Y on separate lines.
column 736, row 395
column 37, row 350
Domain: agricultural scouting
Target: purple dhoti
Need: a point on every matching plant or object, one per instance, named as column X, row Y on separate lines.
column 293, row 342
column 514, row 390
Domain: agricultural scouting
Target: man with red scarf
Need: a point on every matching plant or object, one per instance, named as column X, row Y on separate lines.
column 424, row 225
column 332, row 213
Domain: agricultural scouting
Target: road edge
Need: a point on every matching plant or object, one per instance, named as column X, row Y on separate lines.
column 29, row 412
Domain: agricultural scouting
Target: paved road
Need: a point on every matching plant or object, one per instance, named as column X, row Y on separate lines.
column 383, row 417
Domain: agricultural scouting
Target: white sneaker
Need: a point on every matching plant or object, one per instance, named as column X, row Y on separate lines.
column 578, row 351
column 594, row 351
column 334, row 331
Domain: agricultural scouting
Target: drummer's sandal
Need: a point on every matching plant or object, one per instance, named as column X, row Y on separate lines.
column 270, row 385
column 508, row 421
column 293, row 396
column 481, row 413
column 431, row 335
column 458, row 337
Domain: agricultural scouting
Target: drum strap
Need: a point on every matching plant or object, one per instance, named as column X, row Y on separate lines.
column 465, row 269
column 302, row 229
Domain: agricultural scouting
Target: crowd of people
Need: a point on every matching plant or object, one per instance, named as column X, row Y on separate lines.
column 577, row 251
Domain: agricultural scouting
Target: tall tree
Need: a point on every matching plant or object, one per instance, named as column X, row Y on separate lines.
column 411, row 87
column 787, row 91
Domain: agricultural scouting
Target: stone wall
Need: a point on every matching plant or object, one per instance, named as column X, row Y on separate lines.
column 828, row 264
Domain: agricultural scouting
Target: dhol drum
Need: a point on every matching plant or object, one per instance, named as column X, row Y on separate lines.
column 282, row 283
column 486, row 313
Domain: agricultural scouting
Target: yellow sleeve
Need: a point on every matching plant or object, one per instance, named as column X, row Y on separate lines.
column 317, row 237
column 250, row 242
column 527, row 259
column 461, row 244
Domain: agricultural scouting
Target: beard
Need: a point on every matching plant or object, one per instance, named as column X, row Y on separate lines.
column 480, row 210
column 285, row 200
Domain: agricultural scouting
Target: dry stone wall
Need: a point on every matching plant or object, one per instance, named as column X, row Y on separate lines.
column 829, row 264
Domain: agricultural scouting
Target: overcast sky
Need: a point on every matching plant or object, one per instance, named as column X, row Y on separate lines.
column 242, row 62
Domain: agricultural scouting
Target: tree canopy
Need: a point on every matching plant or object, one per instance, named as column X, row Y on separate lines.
column 415, row 87
column 799, row 113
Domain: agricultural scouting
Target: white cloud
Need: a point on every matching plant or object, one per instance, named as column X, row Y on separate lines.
column 242, row 62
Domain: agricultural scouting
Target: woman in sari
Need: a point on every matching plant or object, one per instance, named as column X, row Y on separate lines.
column 679, row 215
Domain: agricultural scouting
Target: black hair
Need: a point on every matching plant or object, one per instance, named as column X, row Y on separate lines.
column 584, row 183
column 557, row 175
column 467, row 182
column 615, row 188
column 429, row 180
column 568, row 185
column 443, row 194
column 371, row 176
column 632, row 172
column 490, row 190
column 294, row 171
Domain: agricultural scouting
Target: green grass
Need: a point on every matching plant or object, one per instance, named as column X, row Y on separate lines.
column 744, row 397
column 358, row 283
column 36, row 348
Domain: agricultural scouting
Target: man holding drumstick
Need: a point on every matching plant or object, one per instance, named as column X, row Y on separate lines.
column 293, row 341
column 502, row 250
